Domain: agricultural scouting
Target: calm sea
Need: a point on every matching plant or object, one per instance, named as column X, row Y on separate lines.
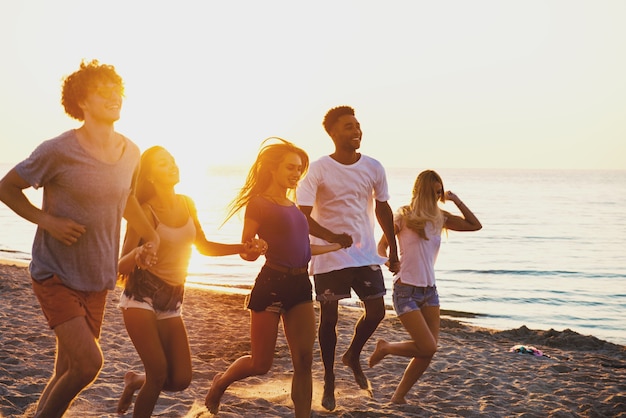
column 551, row 254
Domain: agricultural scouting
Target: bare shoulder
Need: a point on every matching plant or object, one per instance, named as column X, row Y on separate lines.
column 188, row 201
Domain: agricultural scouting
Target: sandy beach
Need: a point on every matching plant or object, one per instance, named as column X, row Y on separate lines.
column 473, row 374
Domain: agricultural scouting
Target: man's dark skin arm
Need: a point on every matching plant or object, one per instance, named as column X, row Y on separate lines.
column 319, row 231
column 384, row 215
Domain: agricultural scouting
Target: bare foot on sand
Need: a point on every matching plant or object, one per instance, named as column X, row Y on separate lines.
column 379, row 353
column 354, row 363
column 212, row 400
column 328, row 399
column 398, row 400
column 132, row 382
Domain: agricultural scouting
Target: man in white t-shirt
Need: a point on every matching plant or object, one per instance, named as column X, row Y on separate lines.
column 342, row 195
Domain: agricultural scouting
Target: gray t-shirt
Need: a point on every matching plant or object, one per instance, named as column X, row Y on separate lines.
column 91, row 192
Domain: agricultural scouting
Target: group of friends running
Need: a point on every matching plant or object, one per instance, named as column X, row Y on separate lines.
column 307, row 218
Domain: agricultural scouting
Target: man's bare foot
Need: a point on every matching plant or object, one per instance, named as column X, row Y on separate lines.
column 132, row 382
column 379, row 353
column 212, row 400
column 399, row 400
column 328, row 399
column 354, row 363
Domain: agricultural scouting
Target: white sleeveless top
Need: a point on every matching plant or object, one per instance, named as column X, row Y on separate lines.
column 174, row 251
column 417, row 255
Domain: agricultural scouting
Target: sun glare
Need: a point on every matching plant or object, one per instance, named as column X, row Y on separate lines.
column 482, row 79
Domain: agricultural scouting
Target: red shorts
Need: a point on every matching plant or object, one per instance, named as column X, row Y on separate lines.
column 59, row 303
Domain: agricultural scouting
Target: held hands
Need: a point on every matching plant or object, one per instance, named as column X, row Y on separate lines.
column 343, row 239
column 145, row 256
column 393, row 265
column 253, row 248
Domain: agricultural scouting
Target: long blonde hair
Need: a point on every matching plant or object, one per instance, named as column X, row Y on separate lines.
column 423, row 207
column 260, row 174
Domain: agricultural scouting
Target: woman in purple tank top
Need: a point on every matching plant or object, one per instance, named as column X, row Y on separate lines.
column 282, row 288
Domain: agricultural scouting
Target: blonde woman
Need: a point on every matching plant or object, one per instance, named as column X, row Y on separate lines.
column 152, row 299
column 282, row 288
column 418, row 227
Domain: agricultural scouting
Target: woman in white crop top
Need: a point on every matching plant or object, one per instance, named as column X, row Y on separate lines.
column 153, row 288
column 418, row 227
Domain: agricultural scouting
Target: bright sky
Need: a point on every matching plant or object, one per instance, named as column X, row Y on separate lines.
column 435, row 84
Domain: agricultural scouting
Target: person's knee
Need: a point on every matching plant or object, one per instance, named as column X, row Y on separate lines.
column 425, row 349
column 375, row 314
column 90, row 374
column 302, row 361
column 431, row 353
column 180, row 379
column 87, row 370
column 261, row 367
column 179, row 383
column 430, row 350
column 156, row 374
column 157, row 378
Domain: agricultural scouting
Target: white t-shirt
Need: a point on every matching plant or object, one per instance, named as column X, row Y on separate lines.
column 342, row 197
column 417, row 255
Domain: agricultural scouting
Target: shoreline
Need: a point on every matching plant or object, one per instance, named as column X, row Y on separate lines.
column 240, row 289
column 473, row 374
column 473, row 316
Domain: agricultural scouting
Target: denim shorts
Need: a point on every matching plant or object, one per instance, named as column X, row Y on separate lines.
column 408, row 298
column 144, row 290
column 130, row 302
column 278, row 292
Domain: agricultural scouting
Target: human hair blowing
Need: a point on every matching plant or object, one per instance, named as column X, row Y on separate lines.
column 424, row 207
column 260, row 175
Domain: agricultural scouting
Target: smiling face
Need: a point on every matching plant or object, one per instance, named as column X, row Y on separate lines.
column 163, row 169
column 289, row 171
column 103, row 102
column 346, row 133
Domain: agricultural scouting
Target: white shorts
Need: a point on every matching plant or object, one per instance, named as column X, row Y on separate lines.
column 130, row 302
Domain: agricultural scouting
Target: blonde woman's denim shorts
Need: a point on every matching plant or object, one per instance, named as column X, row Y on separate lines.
column 407, row 298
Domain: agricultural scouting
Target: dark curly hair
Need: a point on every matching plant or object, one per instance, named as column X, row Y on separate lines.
column 77, row 85
column 334, row 114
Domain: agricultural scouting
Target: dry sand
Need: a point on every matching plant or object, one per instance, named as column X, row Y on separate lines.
column 473, row 373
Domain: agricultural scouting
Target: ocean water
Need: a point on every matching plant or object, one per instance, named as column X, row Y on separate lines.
column 551, row 254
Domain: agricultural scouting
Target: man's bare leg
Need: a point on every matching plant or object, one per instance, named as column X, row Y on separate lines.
column 327, row 336
column 79, row 360
column 365, row 327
